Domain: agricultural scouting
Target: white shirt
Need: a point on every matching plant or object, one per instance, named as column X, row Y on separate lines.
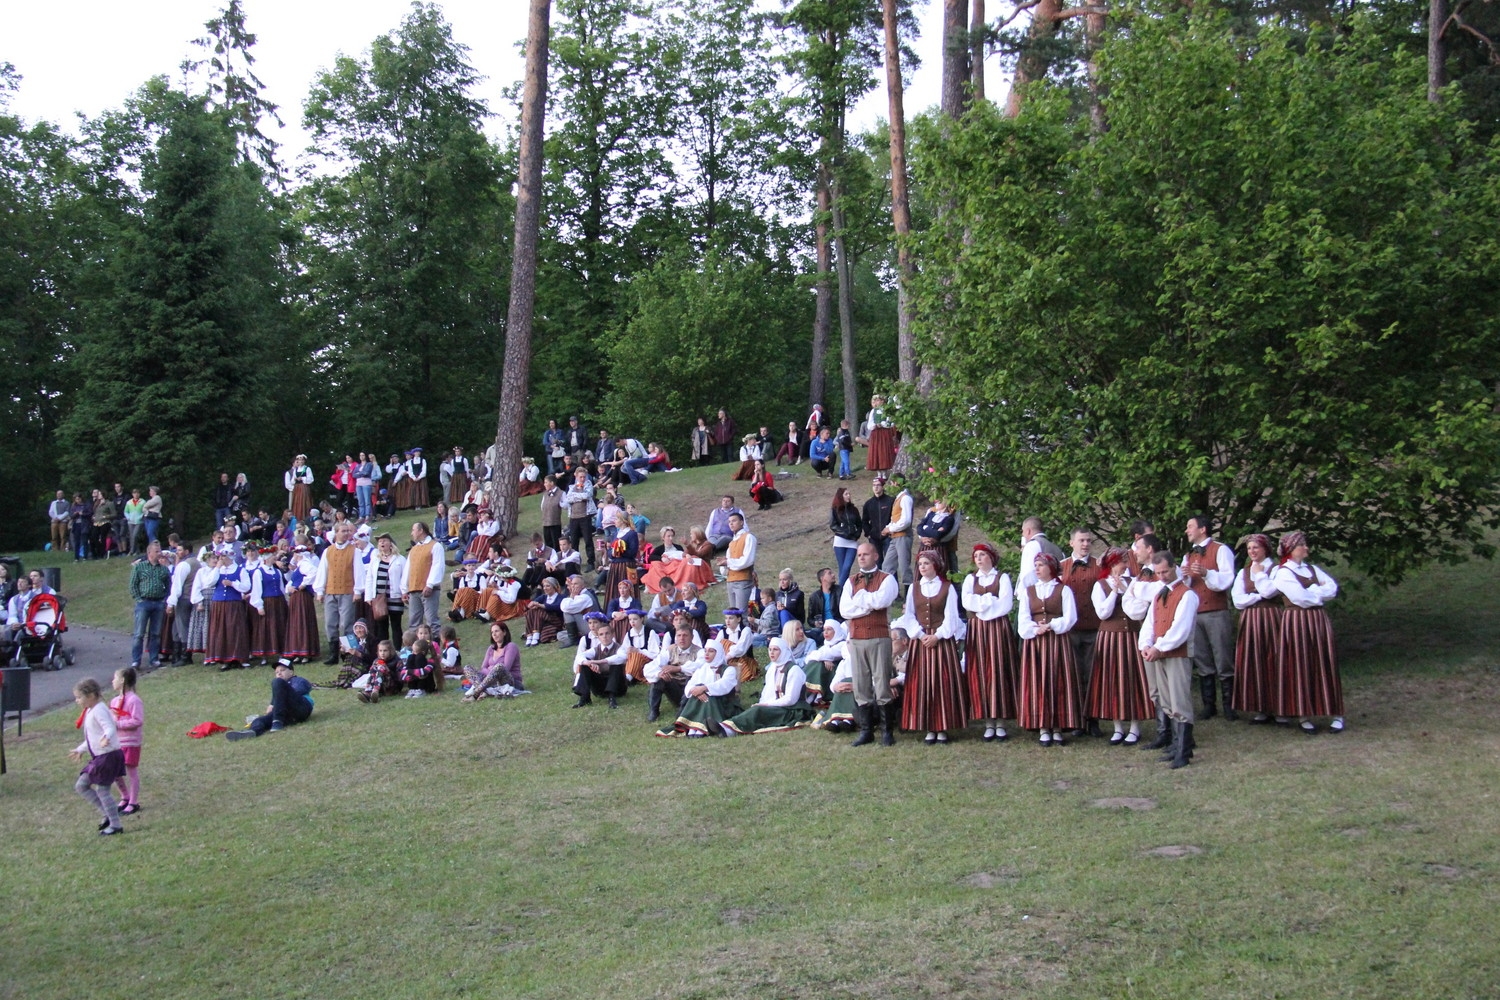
column 1104, row 597
column 738, row 642
column 257, row 599
column 98, row 731
column 581, row 604
column 901, row 513
column 792, row 689
column 1138, row 598
column 988, row 607
column 293, row 476
column 394, row 575
column 1320, row 593
column 203, row 584
column 1222, row 577
column 1182, row 625
column 747, row 560
column 182, row 573
column 664, row 656
column 589, row 650
column 952, row 626
column 716, row 685
column 435, row 568
column 1262, row 587
column 858, row 603
column 1024, row 623
column 1030, row 549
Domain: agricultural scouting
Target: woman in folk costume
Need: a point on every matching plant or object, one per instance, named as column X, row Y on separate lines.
column 641, row 645
column 544, row 618
column 302, row 637
column 268, row 611
column 1307, row 683
column 1254, row 594
column 228, row 632
column 882, row 437
column 671, row 564
column 467, row 585
column 461, row 472
column 781, row 706
column 502, row 600
column 200, row 593
column 395, row 478
column 992, row 661
column 529, row 478
column 621, row 603
column 1117, row 686
column 298, row 481
column 416, row 473
column 624, row 552
column 830, row 658
column 712, row 695
column 750, row 453
column 934, row 698
column 1049, row 699
column 486, row 530
column 738, row 642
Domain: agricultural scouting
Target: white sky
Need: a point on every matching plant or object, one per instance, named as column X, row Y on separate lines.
column 89, row 55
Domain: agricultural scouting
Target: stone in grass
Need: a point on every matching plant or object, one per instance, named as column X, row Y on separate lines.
column 1174, row 851
column 1134, row 805
column 991, row 880
column 1442, row 871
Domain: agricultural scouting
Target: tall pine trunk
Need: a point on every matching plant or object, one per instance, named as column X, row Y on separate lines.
column 976, row 51
column 1033, row 62
column 846, row 313
column 900, row 200
column 1437, row 49
column 955, row 55
column 822, row 311
column 504, row 486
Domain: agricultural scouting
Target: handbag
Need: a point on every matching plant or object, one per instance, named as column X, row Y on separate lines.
column 380, row 607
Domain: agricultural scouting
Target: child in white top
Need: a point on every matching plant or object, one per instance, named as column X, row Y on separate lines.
column 106, row 761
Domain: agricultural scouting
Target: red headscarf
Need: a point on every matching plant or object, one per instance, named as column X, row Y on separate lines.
column 1290, row 541
column 1051, row 561
column 994, row 553
column 1112, row 558
column 1264, row 540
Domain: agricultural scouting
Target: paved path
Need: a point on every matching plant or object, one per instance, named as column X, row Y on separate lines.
column 97, row 653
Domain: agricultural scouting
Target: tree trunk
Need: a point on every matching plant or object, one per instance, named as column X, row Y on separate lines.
column 1437, row 50
column 900, row 201
column 1033, row 64
column 955, row 57
column 976, row 51
column 504, row 486
column 823, row 311
column 1093, row 30
column 846, row 314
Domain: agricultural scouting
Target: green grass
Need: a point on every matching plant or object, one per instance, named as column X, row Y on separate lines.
column 519, row 849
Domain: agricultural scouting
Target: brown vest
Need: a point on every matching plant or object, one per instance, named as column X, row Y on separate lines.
column 1118, row 620
column 1080, row 579
column 876, row 624
column 1306, row 581
column 931, row 610
column 418, row 565
column 737, row 551
column 1043, row 611
column 1165, row 613
column 1208, row 600
column 340, row 578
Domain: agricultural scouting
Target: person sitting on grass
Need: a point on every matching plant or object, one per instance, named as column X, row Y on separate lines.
column 781, row 706
column 419, row 672
column 712, row 696
column 499, row 674
column 838, row 686
column 357, row 653
column 668, row 674
column 291, row 703
column 381, row 675
column 599, row 666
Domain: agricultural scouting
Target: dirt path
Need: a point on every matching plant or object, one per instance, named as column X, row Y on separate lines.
column 97, row 653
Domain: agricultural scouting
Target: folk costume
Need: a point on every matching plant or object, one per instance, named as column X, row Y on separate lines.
column 719, row 684
column 1213, row 634
column 883, row 439
column 1255, row 664
column 1117, row 685
column 1168, row 630
column 865, row 604
column 298, row 481
column 1050, row 700
column 992, row 659
column 933, row 701
column 672, row 565
column 780, row 707
column 839, row 710
column 301, row 642
column 1307, row 682
column 228, row 632
column 738, row 642
column 599, row 665
column 268, row 610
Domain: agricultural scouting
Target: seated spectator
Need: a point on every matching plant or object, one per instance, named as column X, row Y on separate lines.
column 669, row 672
column 823, row 453
column 544, row 617
column 671, row 565
column 419, row 672
column 836, row 675
column 599, row 665
column 291, row 703
column 763, row 487
column 529, row 477
column 576, row 606
column 356, row 652
column 781, row 706
column 381, row 678
column 712, row 695
column 789, row 600
column 718, row 530
column 499, row 673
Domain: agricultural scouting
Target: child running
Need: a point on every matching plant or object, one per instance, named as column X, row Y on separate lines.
column 129, row 717
column 106, row 761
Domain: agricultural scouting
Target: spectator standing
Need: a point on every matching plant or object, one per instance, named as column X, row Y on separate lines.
column 59, row 515
column 222, row 496
column 150, row 582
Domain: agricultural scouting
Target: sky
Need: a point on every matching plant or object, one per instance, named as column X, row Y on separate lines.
column 90, row 55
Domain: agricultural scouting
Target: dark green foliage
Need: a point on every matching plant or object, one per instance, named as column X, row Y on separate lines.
column 1268, row 292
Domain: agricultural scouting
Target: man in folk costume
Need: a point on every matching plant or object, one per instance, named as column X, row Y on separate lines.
column 669, row 672
column 898, row 531
column 1209, row 570
column 1165, row 641
column 1034, row 542
column 180, row 602
column 865, row 603
column 422, row 579
column 334, row 585
column 576, row 607
column 739, row 563
column 551, row 512
column 599, row 665
column 462, row 473
column 1079, row 574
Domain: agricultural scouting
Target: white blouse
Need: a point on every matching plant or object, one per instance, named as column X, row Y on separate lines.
column 1319, row 594
column 952, row 626
column 988, row 607
column 1260, row 581
column 1024, row 623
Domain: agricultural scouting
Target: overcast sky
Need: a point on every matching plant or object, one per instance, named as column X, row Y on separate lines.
column 89, row 55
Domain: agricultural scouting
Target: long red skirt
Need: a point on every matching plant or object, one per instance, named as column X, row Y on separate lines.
column 746, row 472
column 1049, row 684
column 228, row 633
column 992, row 668
column 543, row 623
column 882, row 454
column 933, row 700
column 678, row 571
column 1307, row 667
column 301, row 501
column 479, row 546
column 1255, row 658
column 457, row 487
column 268, row 631
column 301, row 641
column 1117, row 689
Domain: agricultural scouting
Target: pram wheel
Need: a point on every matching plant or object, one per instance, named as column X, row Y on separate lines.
column 69, row 658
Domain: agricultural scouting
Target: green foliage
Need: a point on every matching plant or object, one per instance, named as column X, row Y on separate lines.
column 1266, row 292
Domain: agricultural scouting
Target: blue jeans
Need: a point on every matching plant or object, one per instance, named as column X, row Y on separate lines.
column 634, row 469
column 845, row 558
column 220, row 513
column 364, row 493
column 152, row 523
column 844, row 463
column 148, row 619
column 287, row 707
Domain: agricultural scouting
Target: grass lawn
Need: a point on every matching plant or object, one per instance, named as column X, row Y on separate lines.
column 429, row 848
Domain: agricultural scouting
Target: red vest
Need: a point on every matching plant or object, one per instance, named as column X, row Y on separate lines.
column 876, row 624
column 1208, row 600
column 1165, row 613
column 1081, row 583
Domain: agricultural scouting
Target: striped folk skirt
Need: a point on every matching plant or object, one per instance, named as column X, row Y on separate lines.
column 748, row 667
column 467, row 600
column 197, row 631
column 1255, row 658
column 768, row 719
column 882, row 455
column 1306, row 681
column 479, row 546
column 620, row 571
column 300, row 501
column 1117, row 688
column 1049, row 684
column 992, row 668
column 457, row 487
column 543, row 623
column 268, row 631
column 301, row 638
column 934, row 697
column 502, row 611
column 228, row 632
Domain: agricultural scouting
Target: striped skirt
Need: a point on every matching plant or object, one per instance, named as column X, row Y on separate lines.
column 882, row 449
column 748, row 667
column 300, row 501
column 934, row 697
column 992, row 668
column 543, row 623
column 197, row 630
column 1049, row 684
column 502, row 611
column 1255, row 658
column 467, row 600
column 1117, row 688
column 479, row 546
column 457, row 487
column 228, row 632
column 1306, row 680
column 268, row 631
column 620, row 571
column 301, row 638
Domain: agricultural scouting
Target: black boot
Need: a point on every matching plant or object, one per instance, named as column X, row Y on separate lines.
column 1209, row 691
column 1093, row 728
column 1163, row 733
column 1184, row 745
column 654, row 704
column 865, row 716
column 1226, row 685
column 888, row 723
column 332, row 659
column 1171, row 752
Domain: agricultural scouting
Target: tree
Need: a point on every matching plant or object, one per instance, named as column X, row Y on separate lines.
column 513, row 384
column 900, row 199
column 1265, row 293
column 234, row 86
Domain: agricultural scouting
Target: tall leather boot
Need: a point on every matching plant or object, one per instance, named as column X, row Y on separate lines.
column 1171, row 752
column 1226, row 686
column 888, row 723
column 653, row 703
column 1163, row 733
column 865, row 716
column 1209, row 691
column 1184, row 745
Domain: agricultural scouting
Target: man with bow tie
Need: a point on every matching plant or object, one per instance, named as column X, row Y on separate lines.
column 1079, row 574
column 865, row 603
column 1208, row 568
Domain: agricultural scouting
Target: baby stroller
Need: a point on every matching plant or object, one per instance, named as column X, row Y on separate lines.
column 39, row 643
